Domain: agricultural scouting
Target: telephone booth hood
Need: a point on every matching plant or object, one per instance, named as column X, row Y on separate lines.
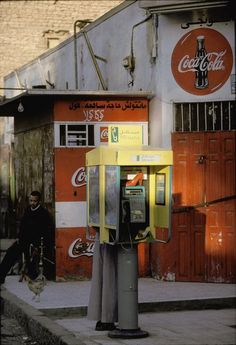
column 128, row 185
column 133, row 155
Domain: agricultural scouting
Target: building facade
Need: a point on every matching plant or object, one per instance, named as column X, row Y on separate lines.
column 29, row 28
column 183, row 53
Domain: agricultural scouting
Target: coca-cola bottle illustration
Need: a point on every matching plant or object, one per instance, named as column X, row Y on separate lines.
column 201, row 63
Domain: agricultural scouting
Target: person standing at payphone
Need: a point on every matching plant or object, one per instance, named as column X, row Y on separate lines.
column 103, row 300
column 102, row 305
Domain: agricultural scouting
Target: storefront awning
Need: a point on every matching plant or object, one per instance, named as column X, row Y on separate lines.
column 15, row 106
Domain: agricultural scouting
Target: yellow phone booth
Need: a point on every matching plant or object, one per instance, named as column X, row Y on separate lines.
column 129, row 196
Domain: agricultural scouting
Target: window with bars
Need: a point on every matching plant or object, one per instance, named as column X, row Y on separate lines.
column 76, row 135
column 208, row 116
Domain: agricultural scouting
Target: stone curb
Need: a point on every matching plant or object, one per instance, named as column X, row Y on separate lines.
column 35, row 323
column 149, row 307
column 192, row 304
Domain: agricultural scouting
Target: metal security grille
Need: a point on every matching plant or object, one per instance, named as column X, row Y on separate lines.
column 208, row 116
column 76, row 135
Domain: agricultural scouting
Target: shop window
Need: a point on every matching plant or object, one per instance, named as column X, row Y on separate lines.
column 76, row 135
column 209, row 116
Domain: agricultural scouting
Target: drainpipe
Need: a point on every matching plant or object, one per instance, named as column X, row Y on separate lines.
column 132, row 59
column 132, row 35
column 83, row 22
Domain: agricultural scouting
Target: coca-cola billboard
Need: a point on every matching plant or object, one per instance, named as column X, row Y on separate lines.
column 202, row 61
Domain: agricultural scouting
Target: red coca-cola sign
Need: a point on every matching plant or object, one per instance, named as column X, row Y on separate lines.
column 80, row 248
column 79, row 177
column 103, row 134
column 202, row 61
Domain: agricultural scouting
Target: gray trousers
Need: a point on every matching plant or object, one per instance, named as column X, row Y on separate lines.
column 103, row 293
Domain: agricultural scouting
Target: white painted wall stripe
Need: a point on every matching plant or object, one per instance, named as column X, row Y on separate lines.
column 71, row 214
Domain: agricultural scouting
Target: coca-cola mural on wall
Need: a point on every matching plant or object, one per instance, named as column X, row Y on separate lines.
column 79, row 177
column 202, row 61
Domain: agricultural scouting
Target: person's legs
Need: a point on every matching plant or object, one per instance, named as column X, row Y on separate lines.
column 10, row 258
column 109, row 284
column 95, row 297
column 108, row 302
column 103, row 293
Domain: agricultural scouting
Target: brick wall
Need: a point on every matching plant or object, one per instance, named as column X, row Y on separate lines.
column 27, row 27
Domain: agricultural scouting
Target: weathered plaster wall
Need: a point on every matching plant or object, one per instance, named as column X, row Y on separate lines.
column 34, row 165
column 28, row 27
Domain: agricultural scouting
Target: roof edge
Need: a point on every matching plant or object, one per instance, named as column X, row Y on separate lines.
column 7, row 104
column 171, row 6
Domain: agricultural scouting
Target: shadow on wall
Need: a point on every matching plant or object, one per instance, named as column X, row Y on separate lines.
column 184, row 257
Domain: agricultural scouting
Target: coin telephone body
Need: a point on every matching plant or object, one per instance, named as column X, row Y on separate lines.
column 133, row 204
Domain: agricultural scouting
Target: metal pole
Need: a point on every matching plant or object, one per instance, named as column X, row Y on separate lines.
column 99, row 74
column 75, row 56
column 127, row 294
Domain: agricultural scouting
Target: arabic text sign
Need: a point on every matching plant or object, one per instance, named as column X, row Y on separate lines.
column 101, row 110
column 125, row 135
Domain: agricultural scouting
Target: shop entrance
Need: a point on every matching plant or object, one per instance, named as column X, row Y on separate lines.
column 204, row 189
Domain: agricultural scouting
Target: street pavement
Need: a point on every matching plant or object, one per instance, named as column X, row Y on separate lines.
column 170, row 312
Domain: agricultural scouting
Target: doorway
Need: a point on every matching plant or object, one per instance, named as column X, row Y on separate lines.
column 204, row 189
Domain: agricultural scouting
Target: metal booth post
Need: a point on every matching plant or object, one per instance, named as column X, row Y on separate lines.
column 129, row 196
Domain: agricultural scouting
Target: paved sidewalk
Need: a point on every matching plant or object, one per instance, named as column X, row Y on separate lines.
column 205, row 327
column 72, row 294
column 195, row 313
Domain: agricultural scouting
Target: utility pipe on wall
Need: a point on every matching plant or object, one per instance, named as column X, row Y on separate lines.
column 93, row 56
column 82, row 24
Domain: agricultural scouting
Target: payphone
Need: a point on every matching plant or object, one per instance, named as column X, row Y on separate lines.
column 129, row 192
column 129, row 197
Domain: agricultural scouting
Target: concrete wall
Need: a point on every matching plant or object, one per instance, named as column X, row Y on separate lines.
column 28, row 27
column 110, row 38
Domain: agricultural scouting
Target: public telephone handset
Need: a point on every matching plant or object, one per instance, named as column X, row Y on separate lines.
column 143, row 235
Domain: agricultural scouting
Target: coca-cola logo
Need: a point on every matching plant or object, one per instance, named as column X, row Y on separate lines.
column 79, row 248
column 103, row 134
column 202, row 61
column 79, row 177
